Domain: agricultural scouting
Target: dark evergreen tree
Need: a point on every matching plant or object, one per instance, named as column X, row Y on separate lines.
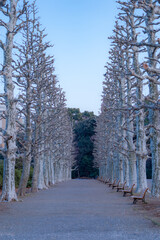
column 84, row 131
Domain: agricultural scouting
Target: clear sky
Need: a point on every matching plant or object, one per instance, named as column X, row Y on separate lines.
column 79, row 30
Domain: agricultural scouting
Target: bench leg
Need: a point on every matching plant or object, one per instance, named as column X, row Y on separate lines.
column 144, row 201
column 124, row 194
column 134, row 201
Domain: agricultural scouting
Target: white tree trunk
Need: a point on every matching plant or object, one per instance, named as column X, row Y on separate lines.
column 8, row 191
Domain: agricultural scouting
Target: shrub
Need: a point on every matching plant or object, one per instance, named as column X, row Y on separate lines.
column 18, row 174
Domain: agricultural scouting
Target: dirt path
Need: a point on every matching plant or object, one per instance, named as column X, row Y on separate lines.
column 75, row 210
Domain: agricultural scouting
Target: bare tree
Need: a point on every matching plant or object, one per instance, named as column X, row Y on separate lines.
column 11, row 28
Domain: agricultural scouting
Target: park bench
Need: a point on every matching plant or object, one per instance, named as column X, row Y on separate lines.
column 104, row 180
column 136, row 198
column 100, row 179
column 107, row 180
column 121, row 187
column 111, row 183
column 129, row 191
column 116, row 185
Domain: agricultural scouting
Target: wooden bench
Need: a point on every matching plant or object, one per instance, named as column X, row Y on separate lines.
column 116, row 185
column 112, row 183
column 129, row 191
column 100, row 179
column 107, row 180
column 121, row 187
column 136, row 198
column 104, row 180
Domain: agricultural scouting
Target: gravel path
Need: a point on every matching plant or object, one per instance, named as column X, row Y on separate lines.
column 75, row 210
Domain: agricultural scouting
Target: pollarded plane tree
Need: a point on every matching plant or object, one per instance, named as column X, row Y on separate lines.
column 23, row 67
column 108, row 123
column 46, row 62
column 44, row 134
column 141, row 148
column 152, row 15
column 132, row 23
column 124, row 85
column 47, row 173
column 61, row 141
column 116, row 115
column 51, row 129
column 50, row 141
column 43, row 70
column 57, row 161
column 119, row 74
column 150, row 11
column 68, row 139
column 130, row 116
column 34, row 69
column 67, row 154
column 114, row 77
column 137, row 37
column 37, row 70
column 126, row 98
column 113, row 101
column 10, row 23
column 100, row 153
column 67, row 142
column 106, row 138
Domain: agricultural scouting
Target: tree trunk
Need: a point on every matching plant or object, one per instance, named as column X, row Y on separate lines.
column 154, row 95
column 36, row 164
column 8, row 191
column 28, row 140
column 141, row 149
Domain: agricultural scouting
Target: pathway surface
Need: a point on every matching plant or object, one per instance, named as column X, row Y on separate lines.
column 75, row 210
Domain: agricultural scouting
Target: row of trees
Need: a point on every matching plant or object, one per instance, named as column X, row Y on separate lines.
column 128, row 128
column 38, row 129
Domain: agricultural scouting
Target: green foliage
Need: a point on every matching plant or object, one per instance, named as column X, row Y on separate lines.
column 19, row 163
column 87, row 115
column 18, row 173
column 84, row 130
column 75, row 114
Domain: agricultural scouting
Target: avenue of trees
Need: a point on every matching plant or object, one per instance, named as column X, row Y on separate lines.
column 38, row 130
column 128, row 128
column 83, row 140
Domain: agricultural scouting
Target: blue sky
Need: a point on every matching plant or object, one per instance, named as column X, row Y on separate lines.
column 79, row 30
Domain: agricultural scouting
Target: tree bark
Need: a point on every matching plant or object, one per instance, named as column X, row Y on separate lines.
column 8, row 191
